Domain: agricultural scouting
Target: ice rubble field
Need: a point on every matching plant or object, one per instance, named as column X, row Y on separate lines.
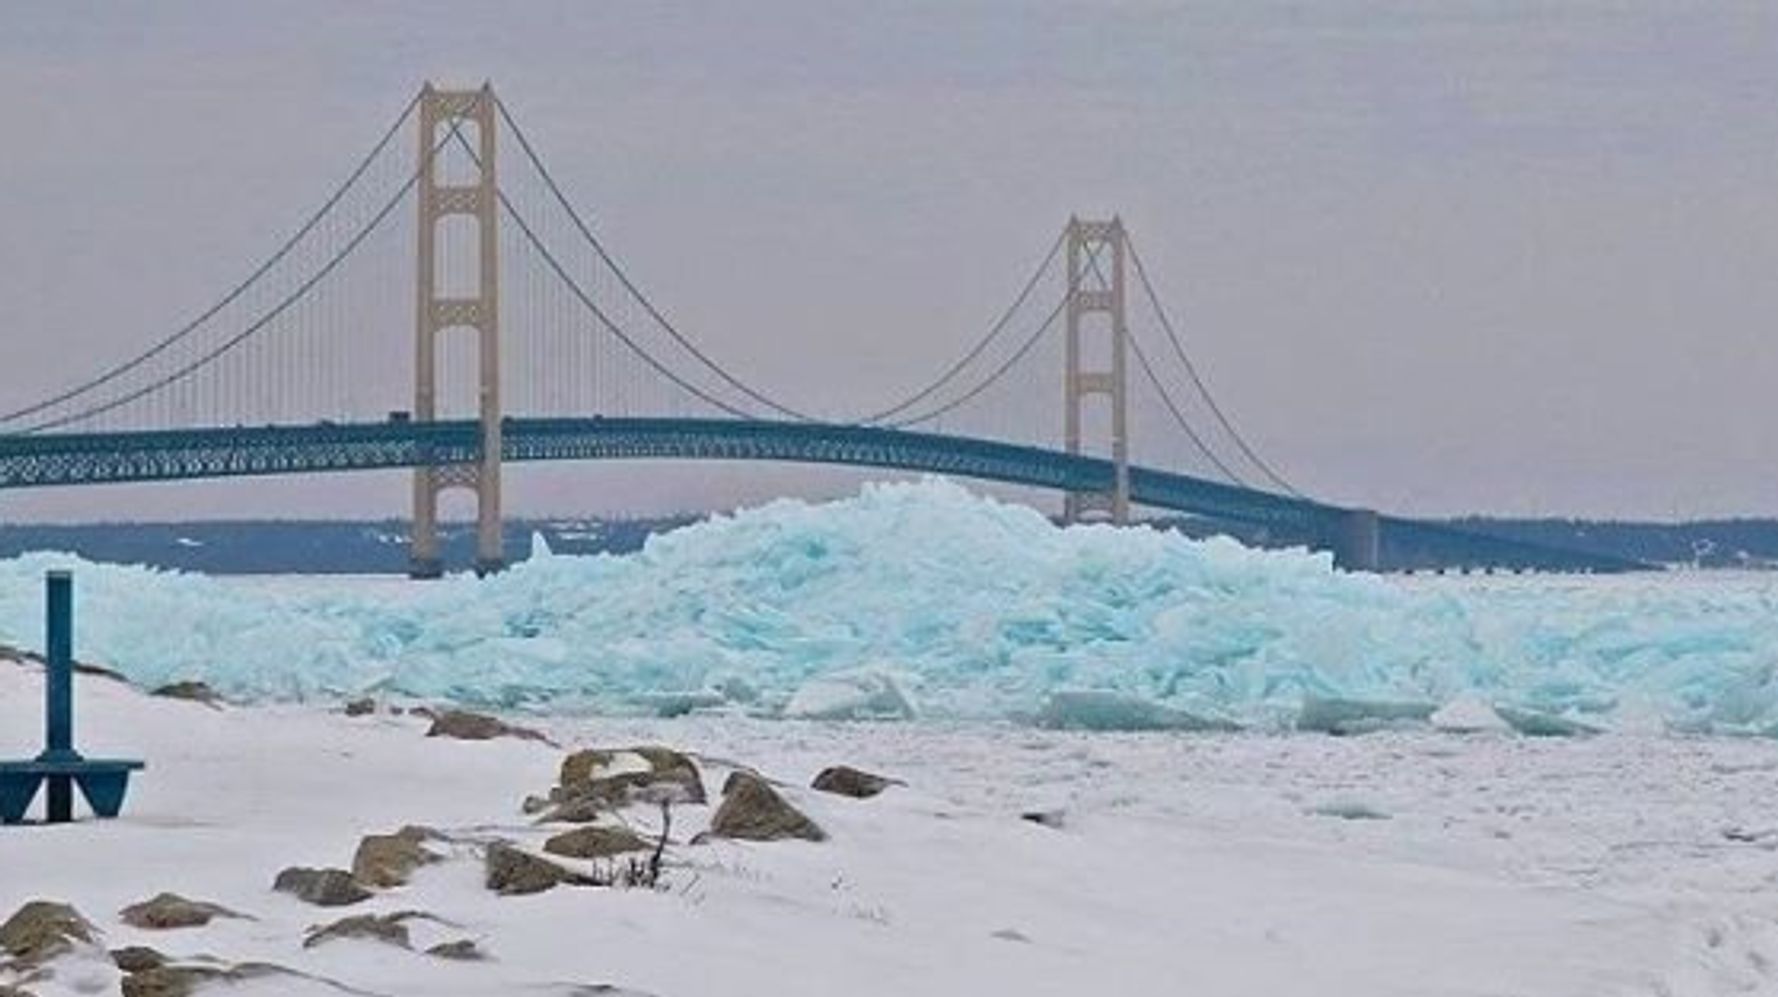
column 962, row 606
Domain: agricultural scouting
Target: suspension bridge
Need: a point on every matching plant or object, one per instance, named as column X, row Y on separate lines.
column 529, row 341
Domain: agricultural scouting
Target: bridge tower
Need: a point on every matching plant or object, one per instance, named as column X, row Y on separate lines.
column 1096, row 256
column 434, row 314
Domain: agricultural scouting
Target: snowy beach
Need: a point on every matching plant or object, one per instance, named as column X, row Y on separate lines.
column 1404, row 863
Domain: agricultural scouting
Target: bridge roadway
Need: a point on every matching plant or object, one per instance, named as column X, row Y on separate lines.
column 219, row 452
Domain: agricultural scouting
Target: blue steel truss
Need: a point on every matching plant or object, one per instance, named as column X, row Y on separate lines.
column 182, row 454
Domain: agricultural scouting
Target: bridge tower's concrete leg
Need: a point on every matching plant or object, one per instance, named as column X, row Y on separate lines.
column 434, row 314
column 1096, row 287
column 1357, row 541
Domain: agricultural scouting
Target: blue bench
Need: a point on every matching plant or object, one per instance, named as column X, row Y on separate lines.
column 103, row 781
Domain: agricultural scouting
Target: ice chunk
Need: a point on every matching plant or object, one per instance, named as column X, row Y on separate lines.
column 1531, row 723
column 858, row 695
column 1468, row 714
column 1358, row 716
column 1096, row 709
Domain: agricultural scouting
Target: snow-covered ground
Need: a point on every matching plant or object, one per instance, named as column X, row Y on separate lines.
column 1217, row 864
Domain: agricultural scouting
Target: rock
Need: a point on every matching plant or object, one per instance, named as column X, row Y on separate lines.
column 137, row 958
column 321, row 887
column 581, row 810
column 361, row 707
column 387, row 860
column 534, row 805
column 43, row 929
column 14, row 655
column 844, row 780
column 172, row 981
column 511, row 872
column 1052, row 819
column 181, row 980
column 753, row 811
column 1347, row 809
column 387, row 929
column 614, row 777
column 196, row 692
column 170, row 910
column 7, row 990
column 465, row 726
column 596, row 843
column 462, row 950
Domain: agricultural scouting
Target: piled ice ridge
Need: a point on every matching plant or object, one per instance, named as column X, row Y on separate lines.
column 926, row 597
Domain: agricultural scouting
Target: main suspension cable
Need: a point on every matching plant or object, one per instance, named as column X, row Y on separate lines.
column 982, row 344
column 1191, row 369
column 1178, row 416
column 282, row 306
column 599, row 313
column 623, row 278
column 999, row 372
column 284, row 250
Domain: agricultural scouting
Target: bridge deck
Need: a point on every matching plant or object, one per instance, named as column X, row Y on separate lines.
column 171, row 455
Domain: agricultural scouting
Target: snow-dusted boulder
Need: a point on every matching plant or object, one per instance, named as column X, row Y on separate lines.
column 170, row 910
column 613, row 777
column 387, row 860
column 42, row 930
column 511, row 872
column 321, row 887
column 753, row 811
column 844, row 780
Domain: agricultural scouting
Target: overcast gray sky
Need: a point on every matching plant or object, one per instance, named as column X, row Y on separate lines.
column 1516, row 257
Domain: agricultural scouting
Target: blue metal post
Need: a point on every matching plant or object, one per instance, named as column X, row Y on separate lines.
column 58, row 693
column 58, row 705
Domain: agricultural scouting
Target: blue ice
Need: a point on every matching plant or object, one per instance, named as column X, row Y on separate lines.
column 953, row 605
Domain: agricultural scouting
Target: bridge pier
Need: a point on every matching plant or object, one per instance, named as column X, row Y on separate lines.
column 1357, row 540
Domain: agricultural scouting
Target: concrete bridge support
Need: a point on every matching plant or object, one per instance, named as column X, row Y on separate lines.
column 1357, row 540
column 434, row 315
